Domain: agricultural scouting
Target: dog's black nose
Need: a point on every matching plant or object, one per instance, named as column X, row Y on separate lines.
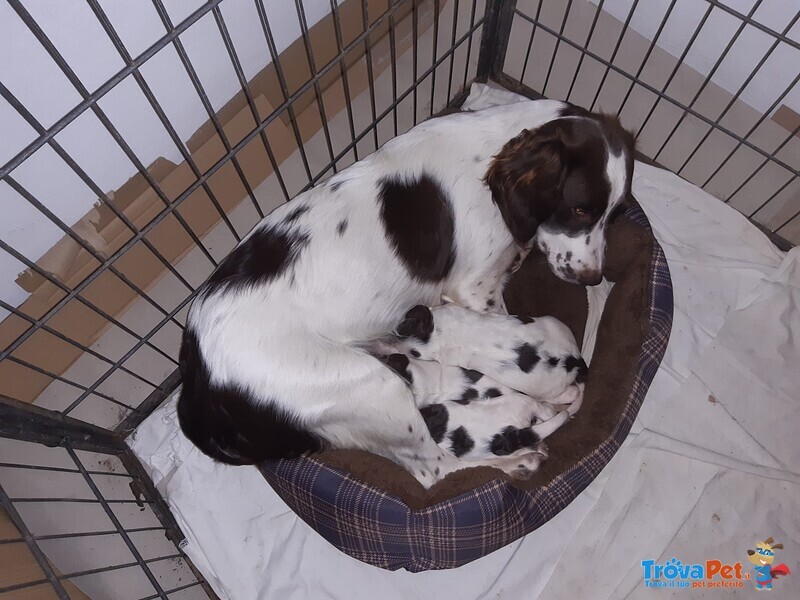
column 590, row 277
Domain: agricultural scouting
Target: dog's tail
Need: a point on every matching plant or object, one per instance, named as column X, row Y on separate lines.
column 229, row 425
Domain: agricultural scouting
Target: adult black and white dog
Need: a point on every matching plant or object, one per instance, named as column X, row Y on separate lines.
column 273, row 361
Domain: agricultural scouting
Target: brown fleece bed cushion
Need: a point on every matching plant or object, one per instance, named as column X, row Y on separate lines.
column 535, row 291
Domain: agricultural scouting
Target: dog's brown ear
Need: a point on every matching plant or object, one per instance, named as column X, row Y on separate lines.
column 751, row 552
column 768, row 541
column 526, row 179
column 777, row 546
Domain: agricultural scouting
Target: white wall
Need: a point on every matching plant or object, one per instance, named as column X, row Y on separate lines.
column 772, row 78
column 35, row 79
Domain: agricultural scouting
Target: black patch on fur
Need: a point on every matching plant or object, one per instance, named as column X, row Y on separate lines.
column 414, row 353
column 577, row 363
column 399, row 364
column 418, row 323
column 468, row 396
column 476, row 159
column 512, row 439
column 524, row 319
column 492, row 393
column 410, row 429
column 527, row 357
column 490, row 303
column 588, row 238
column 335, row 186
column 260, row 259
column 460, row 442
column 418, row 220
column 472, row 375
column 436, row 417
column 341, row 227
column 553, row 361
column 227, row 423
column 295, row 214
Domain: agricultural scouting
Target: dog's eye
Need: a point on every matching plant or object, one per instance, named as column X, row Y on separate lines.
column 581, row 212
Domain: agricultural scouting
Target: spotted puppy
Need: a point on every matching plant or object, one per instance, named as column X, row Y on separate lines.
column 536, row 356
column 476, row 418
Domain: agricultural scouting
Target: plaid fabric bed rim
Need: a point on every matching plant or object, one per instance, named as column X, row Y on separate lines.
column 377, row 528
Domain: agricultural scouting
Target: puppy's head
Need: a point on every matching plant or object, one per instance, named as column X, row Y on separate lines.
column 559, row 185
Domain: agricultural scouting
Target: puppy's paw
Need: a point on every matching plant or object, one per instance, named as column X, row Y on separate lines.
column 417, row 324
column 526, row 465
column 399, row 364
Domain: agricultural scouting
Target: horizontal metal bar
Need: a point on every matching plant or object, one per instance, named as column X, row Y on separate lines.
column 69, row 294
column 19, row 314
column 30, row 423
column 783, row 37
column 75, row 500
column 8, row 465
column 109, row 85
column 174, row 590
column 117, row 568
column 661, row 95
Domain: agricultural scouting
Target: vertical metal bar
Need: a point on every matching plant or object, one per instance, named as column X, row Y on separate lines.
column 370, row 73
column 110, row 514
column 435, row 48
column 454, row 33
column 414, row 48
column 554, row 56
column 393, row 54
column 34, row 548
column 707, row 79
column 739, row 92
column 530, row 42
column 497, row 22
column 337, row 27
column 301, row 15
column 661, row 93
column 469, row 49
column 51, row 50
column 614, row 53
column 647, row 55
column 251, row 103
column 276, row 62
column 586, row 46
column 206, row 102
column 165, row 122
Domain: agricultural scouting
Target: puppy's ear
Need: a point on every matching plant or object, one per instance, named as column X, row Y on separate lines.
column 526, row 179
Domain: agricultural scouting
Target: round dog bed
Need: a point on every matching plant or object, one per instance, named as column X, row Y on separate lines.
column 373, row 510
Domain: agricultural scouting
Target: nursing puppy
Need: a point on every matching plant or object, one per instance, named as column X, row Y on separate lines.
column 536, row 356
column 474, row 417
column 272, row 360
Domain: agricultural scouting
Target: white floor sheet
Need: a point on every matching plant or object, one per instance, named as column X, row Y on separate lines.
column 712, row 464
